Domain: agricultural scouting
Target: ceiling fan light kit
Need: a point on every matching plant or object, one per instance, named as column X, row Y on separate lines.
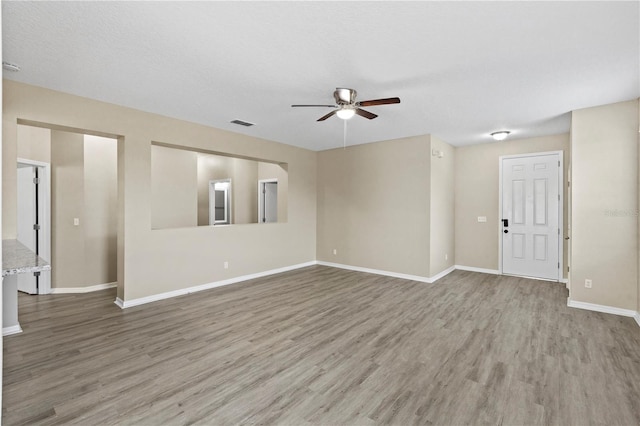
column 346, row 113
column 346, row 105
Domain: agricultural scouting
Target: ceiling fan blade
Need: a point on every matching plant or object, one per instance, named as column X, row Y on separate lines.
column 330, row 106
column 384, row 101
column 324, row 117
column 365, row 114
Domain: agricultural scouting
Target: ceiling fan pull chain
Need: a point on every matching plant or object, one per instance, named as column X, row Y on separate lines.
column 344, row 138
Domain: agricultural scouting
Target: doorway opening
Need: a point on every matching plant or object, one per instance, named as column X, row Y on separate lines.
column 74, row 226
column 220, row 202
column 267, row 200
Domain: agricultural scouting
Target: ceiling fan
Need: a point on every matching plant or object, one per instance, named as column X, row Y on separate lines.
column 346, row 105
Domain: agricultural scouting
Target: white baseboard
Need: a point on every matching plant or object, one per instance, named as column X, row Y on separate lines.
column 444, row 273
column 603, row 308
column 14, row 329
column 474, row 269
column 419, row 278
column 67, row 290
column 376, row 271
column 123, row 304
column 637, row 318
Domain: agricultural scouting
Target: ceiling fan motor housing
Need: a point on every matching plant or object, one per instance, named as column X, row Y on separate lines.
column 345, row 96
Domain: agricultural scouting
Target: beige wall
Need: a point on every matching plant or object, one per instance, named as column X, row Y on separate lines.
column 34, row 143
column 244, row 187
column 100, row 209
column 373, row 205
column 157, row 261
column 604, row 147
column 67, row 203
column 174, row 195
column 442, row 207
column 476, row 194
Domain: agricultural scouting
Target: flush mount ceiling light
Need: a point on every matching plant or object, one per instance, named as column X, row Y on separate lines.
column 10, row 67
column 346, row 113
column 501, row 135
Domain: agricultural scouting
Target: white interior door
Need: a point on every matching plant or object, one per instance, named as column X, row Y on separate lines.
column 531, row 210
column 34, row 207
column 26, row 219
column 271, row 202
column 267, row 200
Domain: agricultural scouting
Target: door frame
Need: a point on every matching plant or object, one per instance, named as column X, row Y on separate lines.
column 261, row 183
column 44, row 202
column 228, row 201
column 560, row 209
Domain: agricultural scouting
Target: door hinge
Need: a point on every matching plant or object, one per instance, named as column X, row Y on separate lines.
column 558, row 265
column 558, row 231
column 36, row 181
column 568, row 268
column 558, row 197
column 36, row 227
column 568, row 184
column 558, row 163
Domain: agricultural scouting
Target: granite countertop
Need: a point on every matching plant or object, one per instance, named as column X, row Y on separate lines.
column 17, row 259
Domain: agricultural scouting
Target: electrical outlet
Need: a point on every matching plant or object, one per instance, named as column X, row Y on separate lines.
column 446, row 257
column 587, row 283
column 335, row 252
column 482, row 219
column 226, row 265
column 76, row 221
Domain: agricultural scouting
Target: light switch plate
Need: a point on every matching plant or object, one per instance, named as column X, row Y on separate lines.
column 482, row 219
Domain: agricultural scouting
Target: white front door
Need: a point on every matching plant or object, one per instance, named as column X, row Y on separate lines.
column 531, row 216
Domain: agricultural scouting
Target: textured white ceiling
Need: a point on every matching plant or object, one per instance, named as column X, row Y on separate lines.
column 462, row 69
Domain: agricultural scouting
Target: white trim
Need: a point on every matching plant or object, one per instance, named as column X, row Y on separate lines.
column 560, row 155
column 98, row 287
column 377, row 272
column 637, row 318
column 474, row 269
column 123, row 304
column 14, row 329
column 419, row 278
column 442, row 274
column 601, row 308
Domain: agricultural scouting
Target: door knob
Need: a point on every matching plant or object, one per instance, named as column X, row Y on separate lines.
column 506, row 231
column 566, row 238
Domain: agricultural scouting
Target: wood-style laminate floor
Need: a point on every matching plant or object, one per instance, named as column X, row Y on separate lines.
column 325, row 346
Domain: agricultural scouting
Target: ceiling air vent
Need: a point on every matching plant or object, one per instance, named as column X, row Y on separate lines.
column 243, row 123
